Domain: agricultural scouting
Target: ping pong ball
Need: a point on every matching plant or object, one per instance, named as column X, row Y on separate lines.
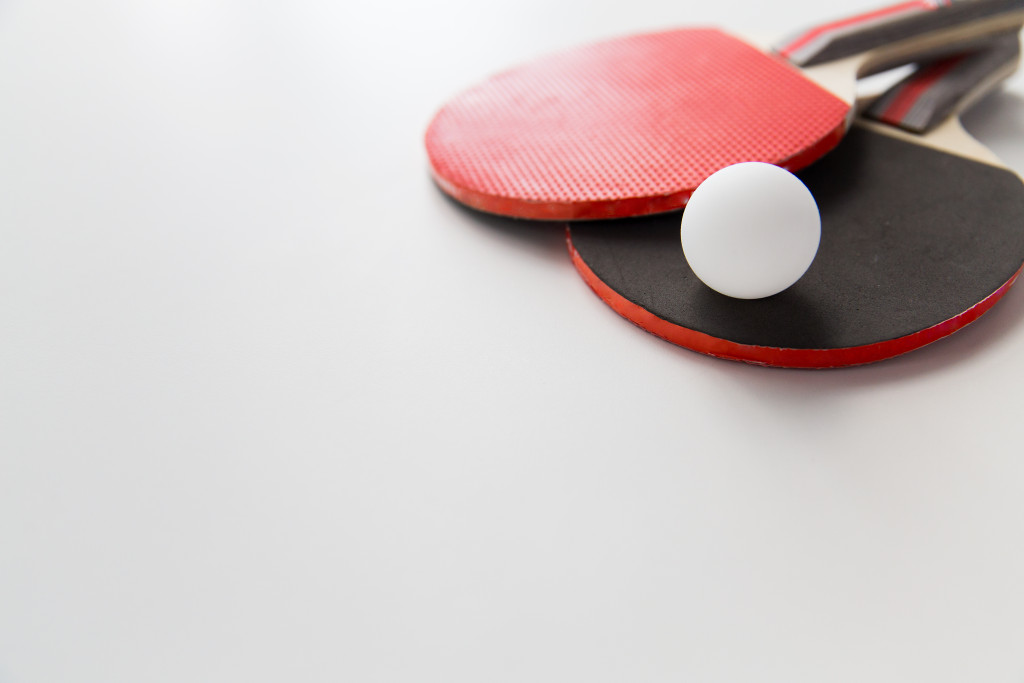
column 750, row 230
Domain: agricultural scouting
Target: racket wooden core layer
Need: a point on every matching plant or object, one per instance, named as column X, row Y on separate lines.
column 915, row 244
column 627, row 127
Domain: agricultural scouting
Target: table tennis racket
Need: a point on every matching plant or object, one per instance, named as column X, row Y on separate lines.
column 921, row 233
column 631, row 126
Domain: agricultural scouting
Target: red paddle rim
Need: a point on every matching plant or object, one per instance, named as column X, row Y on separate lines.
column 773, row 356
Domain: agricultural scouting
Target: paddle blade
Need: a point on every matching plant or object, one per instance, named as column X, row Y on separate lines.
column 627, row 127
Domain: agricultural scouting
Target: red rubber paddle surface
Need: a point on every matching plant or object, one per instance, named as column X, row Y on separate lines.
column 627, row 127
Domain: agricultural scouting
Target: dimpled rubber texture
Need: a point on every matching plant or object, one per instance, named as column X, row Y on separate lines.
column 915, row 244
column 627, row 127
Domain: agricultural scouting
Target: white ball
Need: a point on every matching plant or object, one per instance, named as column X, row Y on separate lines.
column 750, row 230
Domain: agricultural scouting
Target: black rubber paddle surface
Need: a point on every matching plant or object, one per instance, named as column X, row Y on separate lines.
column 911, row 237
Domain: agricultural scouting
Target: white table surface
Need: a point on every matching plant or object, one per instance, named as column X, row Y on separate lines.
column 273, row 409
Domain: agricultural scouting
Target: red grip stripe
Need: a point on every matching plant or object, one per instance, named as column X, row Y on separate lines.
column 843, row 23
column 911, row 92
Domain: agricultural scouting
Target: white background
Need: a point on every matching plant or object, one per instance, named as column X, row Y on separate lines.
column 274, row 409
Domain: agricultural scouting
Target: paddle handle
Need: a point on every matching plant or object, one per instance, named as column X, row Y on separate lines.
column 909, row 31
column 944, row 88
